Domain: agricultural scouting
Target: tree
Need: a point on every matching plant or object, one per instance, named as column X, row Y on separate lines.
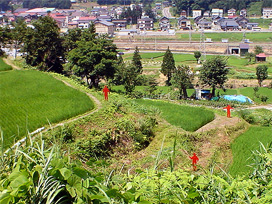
column 197, row 55
column 168, row 66
column 18, row 33
column 258, row 49
column 261, row 73
column 249, row 56
column 136, row 61
column 94, row 60
column 129, row 77
column 214, row 73
column 43, row 45
column 182, row 79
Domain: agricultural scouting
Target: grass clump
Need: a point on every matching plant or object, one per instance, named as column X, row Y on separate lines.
column 186, row 117
column 32, row 99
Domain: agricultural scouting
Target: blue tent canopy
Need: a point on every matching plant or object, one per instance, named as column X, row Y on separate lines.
column 239, row 98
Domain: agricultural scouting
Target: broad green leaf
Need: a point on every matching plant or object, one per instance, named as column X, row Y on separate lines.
column 18, row 179
column 5, row 197
column 71, row 190
column 144, row 202
column 66, row 173
column 82, row 173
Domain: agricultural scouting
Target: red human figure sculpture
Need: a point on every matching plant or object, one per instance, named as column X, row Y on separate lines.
column 228, row 107
column 106, row 91
column 194, row 159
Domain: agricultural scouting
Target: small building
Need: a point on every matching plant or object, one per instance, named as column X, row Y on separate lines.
column 120, row 24
column 229, row 24
column 267, row 12
column 231, row 12
column 243, row 49
column 72, row 25
column 184, row 23
column 183, row 13
column 250, row 26
column 130, row 32
column 145, row 24
column 158, row 6
column 197, row 13
column 242, row 21
column 204, row 24
column 260, row 57
column 164, row 23
column 217, row 12
column 243, row 12
column 203, row 94
column 104, row 27
column 207, row 14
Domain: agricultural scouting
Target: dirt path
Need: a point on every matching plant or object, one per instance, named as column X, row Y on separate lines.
column 7, row 61
column 218, row 139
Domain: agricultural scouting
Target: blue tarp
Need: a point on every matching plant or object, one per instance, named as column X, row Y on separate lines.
column 239, row 98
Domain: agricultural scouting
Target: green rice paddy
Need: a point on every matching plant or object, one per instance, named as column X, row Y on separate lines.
column 32, row 99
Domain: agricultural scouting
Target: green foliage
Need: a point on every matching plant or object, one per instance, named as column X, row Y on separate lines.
column 4, row 66
column 197, row 55
column 43, row 45
column 136, row 61
column 258, row 49
column 61, row 4
column 261, row 73
column 93, row 58
column 182, row 79
column 244, row 145
column 214, row 73
column 261, row 117
column 188, row 118
column 168, row 66
column 31, row 99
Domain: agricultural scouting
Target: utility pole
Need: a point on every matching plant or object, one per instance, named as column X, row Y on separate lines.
column 202, row 45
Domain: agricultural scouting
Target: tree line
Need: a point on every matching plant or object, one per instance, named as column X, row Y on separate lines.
column 61, row 4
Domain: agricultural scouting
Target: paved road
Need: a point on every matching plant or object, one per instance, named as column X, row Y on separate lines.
column 166, row 12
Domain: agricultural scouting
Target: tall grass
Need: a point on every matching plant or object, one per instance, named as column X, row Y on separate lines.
column 32, row 99
column 4, row 66
column 186, row 117
column 243, row 146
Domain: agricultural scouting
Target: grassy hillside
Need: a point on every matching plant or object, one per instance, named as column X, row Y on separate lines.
column 244, row 145
column 4, row 66
column 32, row 99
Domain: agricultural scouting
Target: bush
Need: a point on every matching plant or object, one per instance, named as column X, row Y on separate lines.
column 263, row 98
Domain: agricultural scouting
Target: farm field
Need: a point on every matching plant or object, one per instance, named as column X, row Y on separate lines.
column 4, row 66
column 32, row 99
column 243, row 146
column 186, row 117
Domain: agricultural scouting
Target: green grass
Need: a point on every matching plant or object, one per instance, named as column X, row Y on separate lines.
column 186, row 117
column 243, row 146
column 248, row 91
column 4, row 66
column 231, row 36
column 32, row 99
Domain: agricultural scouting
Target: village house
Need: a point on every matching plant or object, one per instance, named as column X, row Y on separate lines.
column 243, row 49
column 231, row 12
column 184, row 23
column 120, row 24
column 260, row 57
column 207, row 14
column 183, row 13
column 164, row 24
column 104, row 27
column 229, row 24
column 267, row 12
column 84, row 22
column 145, row 24
column 203, row 24
column 243, row 12
column 217, row 12
column 242, row 21
column 197, row 13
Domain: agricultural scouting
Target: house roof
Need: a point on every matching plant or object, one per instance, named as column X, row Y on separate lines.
column 244, row 46
column 106, row 23
column 229, row 23
column 261, row 55
column 40, row 10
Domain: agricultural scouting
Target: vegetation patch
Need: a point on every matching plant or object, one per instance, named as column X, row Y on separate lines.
column 4, row 66
column 186, row 117
column 31, row 99
column 243, row 147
